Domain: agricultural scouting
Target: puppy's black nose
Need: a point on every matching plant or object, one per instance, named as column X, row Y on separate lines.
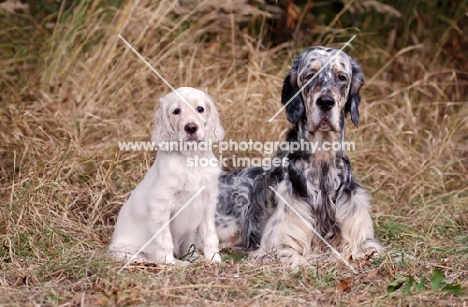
column 325, row 103
column 191, row 128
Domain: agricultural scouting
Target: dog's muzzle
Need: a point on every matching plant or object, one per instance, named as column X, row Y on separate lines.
column 325, row 104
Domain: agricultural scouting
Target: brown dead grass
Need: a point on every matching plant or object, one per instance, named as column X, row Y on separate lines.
column 71, row 92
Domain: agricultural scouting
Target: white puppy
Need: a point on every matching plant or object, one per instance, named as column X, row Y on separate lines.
column 171, row 182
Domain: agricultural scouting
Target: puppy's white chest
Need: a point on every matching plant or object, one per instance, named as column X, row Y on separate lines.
column 190, row 216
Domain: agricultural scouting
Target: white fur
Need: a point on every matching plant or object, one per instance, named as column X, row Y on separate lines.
column 357, row 228
column 169, row 184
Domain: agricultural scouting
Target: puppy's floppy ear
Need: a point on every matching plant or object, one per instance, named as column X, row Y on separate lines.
column 295, row 110
column 352, row 105
column 213, row 129
column 162, row 131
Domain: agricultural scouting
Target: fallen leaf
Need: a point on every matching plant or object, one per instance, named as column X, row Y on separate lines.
column 455, row 289
column 373, row 273
column 343, row 285
column 437, row 278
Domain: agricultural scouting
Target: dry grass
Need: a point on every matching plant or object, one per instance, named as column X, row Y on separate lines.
column 70, row 92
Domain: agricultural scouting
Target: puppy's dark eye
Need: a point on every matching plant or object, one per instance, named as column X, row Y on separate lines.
column 342, row 77
column 176, row 111
column 200, row 109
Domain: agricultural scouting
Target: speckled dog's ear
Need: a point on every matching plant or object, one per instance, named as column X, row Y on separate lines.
column 295, row 109
column 352, row 105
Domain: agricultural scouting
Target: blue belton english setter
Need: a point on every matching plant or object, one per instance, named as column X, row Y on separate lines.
column 319, row 185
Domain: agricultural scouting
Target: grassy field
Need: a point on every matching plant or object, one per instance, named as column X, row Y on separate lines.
column 71, row 90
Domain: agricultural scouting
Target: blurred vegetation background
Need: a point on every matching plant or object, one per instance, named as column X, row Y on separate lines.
column 436, row 28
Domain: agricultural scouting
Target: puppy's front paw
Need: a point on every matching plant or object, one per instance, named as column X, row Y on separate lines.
column 165, row 259
column 129, row 256
column 216, row 257
column 213, row 256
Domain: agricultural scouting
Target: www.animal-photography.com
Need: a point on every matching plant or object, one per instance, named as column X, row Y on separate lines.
column 233, row 153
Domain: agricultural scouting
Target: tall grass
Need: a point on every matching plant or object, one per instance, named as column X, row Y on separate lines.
column 71, row 90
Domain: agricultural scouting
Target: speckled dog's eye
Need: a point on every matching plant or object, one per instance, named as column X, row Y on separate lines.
column 342, row 77
column 176, row 111
column 309, row 75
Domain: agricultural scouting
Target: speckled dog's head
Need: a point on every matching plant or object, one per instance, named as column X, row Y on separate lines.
column 333, row 81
